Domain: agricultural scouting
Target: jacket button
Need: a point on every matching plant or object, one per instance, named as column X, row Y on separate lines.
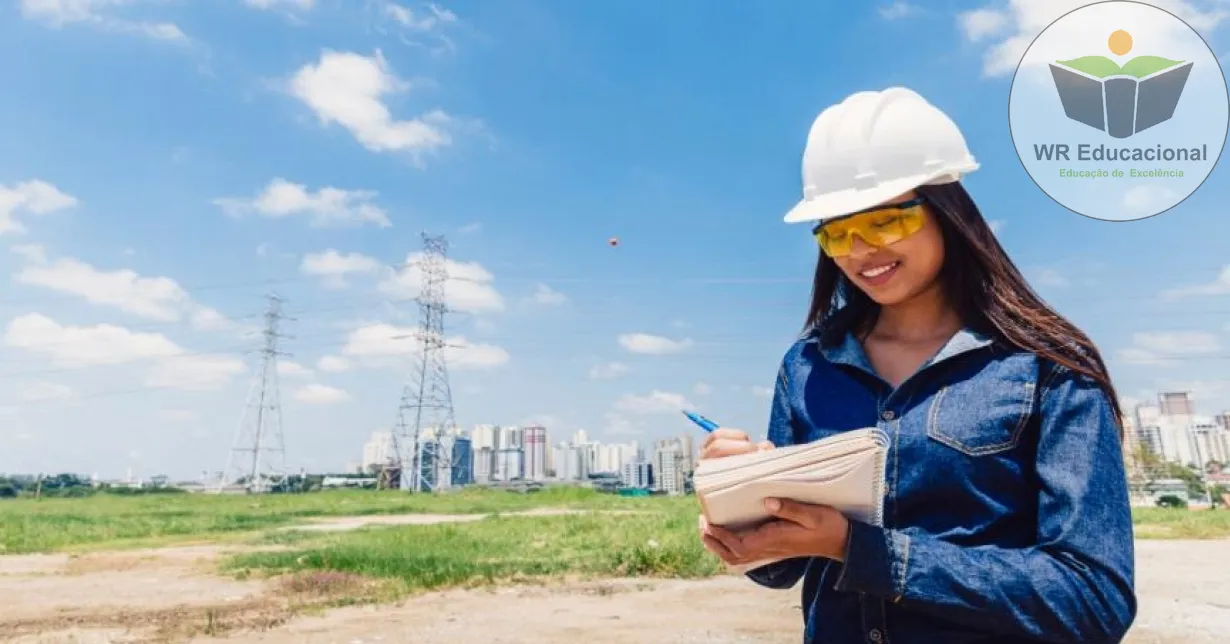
column 887, row 414
column 875, row 635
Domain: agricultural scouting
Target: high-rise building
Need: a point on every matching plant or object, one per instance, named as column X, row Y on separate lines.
column 570, row 462
column 638, row 474
column 509, row 465
column 1175, row 433
column 1209, row 444
column 378, row 450
column 1176, row 403
column 429, row 466
column 669, row 462
column 483, row 463
column 484, row 436
column 534, row 442
column 463, row 464
column 611, row 459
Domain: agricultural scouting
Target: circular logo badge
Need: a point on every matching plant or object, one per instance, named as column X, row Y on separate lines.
column 1119, row 110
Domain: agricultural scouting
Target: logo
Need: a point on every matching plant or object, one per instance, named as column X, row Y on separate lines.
column 1119, row 110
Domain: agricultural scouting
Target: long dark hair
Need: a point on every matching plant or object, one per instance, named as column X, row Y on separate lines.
column 980, row 281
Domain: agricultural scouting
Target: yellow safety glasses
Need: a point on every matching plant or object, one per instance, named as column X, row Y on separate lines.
column 881, row 226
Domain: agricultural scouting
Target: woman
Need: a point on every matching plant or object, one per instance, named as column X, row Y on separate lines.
column 1006, row 515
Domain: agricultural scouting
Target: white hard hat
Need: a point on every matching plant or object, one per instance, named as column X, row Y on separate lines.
column 874, row 146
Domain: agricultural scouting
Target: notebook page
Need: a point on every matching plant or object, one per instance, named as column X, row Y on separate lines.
column 813, row 451
column 856, row 494
column 716, row 473
column 804, row 472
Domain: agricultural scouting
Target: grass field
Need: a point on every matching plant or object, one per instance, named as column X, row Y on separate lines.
column 572, row 543
column 28, row 525
column 657, row 544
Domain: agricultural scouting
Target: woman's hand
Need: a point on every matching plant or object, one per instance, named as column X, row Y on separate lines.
column 798, row 530
column 730, row 442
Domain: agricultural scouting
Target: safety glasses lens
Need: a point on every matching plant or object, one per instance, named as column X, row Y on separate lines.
column 875, row 228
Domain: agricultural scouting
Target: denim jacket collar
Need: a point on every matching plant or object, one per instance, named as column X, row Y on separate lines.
column 850, row 351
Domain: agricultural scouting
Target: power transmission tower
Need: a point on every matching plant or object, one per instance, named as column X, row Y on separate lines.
column 258, row 455
column 425, row 420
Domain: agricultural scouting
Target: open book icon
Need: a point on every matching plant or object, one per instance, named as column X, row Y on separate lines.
column 844, row 471
column 1120, row 101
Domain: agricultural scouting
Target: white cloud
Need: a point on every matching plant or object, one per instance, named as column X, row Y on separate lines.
column 347, row 88
column 58, row 13
column 433, row 18
column 656, row 402
column 762, row 392
column 153, row 298
column 301, row 5
column 980, row 24
column 652, row 344
column 608, row 370
column 318, row 394
column 416, row 26
column 334, row 267
column 76, row 347
column 702, row 389
column 40, row 390
column 194, row 372
column 547, row 296
column 1163, row 347
column 470, row 228
column 996, row 225
column 85, row 346
column 333, row 364
column 327, row 207
column 36, row 197
column 1148, row 198
column 468, row 287
column 385, row 345
column 620, row 425
column 1219, row 286
column 1016, row 24
column 292, row 369
column 897, row 10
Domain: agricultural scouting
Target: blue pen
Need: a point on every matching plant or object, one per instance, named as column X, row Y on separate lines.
column 704, row 423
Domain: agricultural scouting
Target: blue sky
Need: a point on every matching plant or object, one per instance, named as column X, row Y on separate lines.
column 163, row 164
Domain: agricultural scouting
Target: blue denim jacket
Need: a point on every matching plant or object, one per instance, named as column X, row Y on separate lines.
column 1006, row 515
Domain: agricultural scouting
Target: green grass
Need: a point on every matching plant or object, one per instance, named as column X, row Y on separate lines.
column 44, row 525
column 1176, row 523
column 651, row 544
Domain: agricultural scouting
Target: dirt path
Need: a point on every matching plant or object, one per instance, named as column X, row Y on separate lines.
column 136, row 596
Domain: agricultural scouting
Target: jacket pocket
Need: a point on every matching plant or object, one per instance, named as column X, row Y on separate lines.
column 981, row 416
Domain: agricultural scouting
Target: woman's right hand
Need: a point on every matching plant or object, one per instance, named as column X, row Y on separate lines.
column 730, row 442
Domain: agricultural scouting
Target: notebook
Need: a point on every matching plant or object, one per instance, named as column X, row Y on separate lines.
column 845, row 471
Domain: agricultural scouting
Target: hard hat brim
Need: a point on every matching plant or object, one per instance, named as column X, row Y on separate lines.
column 839, row 204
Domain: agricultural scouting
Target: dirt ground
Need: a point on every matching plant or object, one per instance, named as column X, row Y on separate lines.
column 172, row 594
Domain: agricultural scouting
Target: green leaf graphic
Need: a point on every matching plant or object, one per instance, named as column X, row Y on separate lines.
column 1101, row 66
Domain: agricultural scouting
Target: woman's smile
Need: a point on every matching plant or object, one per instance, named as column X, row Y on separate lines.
column 879, row 273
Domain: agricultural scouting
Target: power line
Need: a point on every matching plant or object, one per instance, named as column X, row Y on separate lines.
column 258, row 455
column 427, row 396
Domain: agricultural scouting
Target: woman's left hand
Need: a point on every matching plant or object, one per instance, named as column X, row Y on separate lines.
column 798, row 530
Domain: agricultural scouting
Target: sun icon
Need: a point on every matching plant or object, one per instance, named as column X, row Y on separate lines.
column 1120, row 42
